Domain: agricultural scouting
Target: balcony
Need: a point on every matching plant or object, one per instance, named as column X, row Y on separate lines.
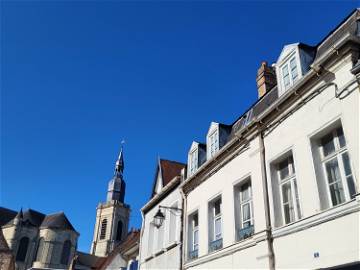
column 245, row 232
column 215, row 245
column 193, row 254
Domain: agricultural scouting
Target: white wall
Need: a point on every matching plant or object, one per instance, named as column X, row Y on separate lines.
column 170, row 258
column 247, row 164
column 337, row 241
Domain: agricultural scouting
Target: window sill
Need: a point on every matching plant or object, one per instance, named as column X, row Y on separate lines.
column 318, row 218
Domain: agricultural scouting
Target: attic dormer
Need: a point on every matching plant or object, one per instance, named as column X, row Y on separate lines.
column 216, row 138
column 196, row 157
column 292, row 64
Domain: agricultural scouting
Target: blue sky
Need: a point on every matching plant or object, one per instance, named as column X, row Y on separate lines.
column 78, row 77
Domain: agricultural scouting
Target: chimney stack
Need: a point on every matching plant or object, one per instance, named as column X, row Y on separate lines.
column 265, row 79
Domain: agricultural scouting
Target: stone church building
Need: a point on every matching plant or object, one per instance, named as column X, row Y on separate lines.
column 38, row 240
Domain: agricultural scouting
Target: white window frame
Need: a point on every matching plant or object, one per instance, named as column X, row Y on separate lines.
column 337, row 155
column 193, row 160
column 294, row 200
column 213, row 141
column 245, row 202
column 292, row 79
column 195, row 229
column 217, row 217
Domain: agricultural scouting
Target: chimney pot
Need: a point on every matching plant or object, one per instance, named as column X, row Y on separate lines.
column 265, row 79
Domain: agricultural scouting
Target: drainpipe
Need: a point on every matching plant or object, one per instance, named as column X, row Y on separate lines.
column 182, row 230
column 269, row 237
column 141, row 238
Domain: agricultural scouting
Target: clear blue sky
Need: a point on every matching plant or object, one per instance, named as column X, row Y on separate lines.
column 78, row 77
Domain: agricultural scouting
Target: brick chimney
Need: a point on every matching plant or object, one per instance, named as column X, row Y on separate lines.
column 265, row 79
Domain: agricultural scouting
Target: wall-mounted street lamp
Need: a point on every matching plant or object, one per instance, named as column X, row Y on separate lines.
column 160, row 217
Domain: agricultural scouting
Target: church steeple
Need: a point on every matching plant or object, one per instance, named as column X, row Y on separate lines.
column 119, row 165
column 116, row 187
column 112, row 216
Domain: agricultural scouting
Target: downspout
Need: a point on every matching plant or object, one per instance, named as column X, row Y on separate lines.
column 182, row 230
column 269, row 237
column 141, row 238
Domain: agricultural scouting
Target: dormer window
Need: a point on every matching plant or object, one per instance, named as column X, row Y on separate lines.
column 216, row 138
column 193, row 158
column 289, row 73
column 196, row 157
column 292, row 64
column 213, row 143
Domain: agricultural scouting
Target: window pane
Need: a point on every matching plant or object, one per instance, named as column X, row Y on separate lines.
column 297, row 199
column 217, row 228
column 284, row 169
column 328, row 145
column 196, row 237
column 346, row 162
column 246, row 212
column 337, row 193
column 195, row 218
column 245, row 192
column 217, row 206
column 332, row 171
column 286, row 192
column 351, row 185
column 293, row 67
column 341, row 137
column 287, row 213
column 286, row 78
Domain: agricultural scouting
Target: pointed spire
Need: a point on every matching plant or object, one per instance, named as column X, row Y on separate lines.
column 19, row 217
column 119, row 165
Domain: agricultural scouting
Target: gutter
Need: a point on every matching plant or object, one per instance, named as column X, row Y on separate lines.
column 183, row 229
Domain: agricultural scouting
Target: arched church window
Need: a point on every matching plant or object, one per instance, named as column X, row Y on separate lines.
column 103, row 229
column 22, row 250
column 65, row 254
column 119, row 230
column 40, row 249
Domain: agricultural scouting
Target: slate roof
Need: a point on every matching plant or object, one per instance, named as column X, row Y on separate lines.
column 57, row 221
column 36, row 219
column 33, row 217
column 6, row 215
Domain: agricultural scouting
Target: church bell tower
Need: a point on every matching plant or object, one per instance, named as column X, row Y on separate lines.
column 112, row 216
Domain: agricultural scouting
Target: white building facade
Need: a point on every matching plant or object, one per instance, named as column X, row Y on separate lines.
column 279, row 188
column 160, row 240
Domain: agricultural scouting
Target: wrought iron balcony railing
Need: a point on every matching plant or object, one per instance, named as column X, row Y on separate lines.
column 245, row 232
column 215, row 245
column 193, row 254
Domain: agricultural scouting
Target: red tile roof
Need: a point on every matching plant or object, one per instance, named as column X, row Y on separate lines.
column 169, row 169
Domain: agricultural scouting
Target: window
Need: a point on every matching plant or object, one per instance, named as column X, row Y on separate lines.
column 65, row 254
column 22, row 250
column 213, row 142
column 160, row 236
column 103, row 229
column 289, row 73
column 246, row 205
column 244, row 223
column 150, row 239
column 215, row 225
column 288, row 190
column 336, row 167
column 193, row 158
column 172, row 224
column 40, row 249
column 193, row 235
column 285, row 191
column 119, row 230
